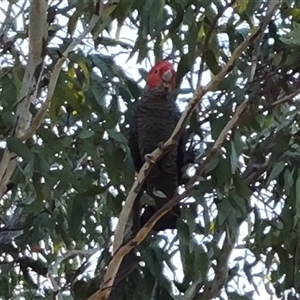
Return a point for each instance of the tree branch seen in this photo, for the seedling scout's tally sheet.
(118, 255)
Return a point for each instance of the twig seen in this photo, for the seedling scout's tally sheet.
(255, 57)
(114, 264)
(283, 100)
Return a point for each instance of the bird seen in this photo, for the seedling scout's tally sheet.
(153, 120)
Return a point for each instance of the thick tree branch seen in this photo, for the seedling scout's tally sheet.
(120, 252)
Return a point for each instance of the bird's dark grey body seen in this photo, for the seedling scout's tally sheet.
(153, 122)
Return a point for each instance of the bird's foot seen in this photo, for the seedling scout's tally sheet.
(149, 158)
(161, 146)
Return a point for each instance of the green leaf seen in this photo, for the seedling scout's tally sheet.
(212, 164)
(221, 172)
(276, 170)
(241, 5)
(67, 141)
(225, 211)
(241, 203)
(211, 61)
(98, 90)
(201, 262)
(297, 202)
(184, 66)
(217, 125)
(152, 263)
(133, 88)
(86, 134)
(242, 187)
(9, 91)
(4, 291)
(155, 14)
(79, 207)
(183, 232)
(140, 46)
(122, 10)
(15, 145)
(288, 179)
(117, 136)
(234, 160)
(125, 94)
(189, 17)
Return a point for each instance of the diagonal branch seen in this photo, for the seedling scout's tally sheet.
(120, 252)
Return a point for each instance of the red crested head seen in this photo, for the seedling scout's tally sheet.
(162, 75)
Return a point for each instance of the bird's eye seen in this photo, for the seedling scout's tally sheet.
(155, 72)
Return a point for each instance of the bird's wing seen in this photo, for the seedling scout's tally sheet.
(133, 143)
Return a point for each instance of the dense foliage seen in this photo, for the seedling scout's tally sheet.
(71, 177)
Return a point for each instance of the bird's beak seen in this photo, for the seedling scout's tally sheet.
(167, 78)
